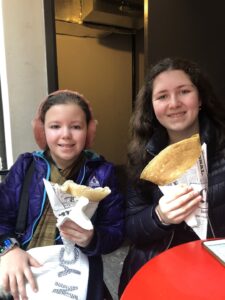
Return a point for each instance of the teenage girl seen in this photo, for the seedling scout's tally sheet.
(64, 129)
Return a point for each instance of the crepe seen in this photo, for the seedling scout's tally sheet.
(173, 161)
(78, 190)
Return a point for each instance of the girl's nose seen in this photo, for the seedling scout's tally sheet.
(174, 101)
(66, 132)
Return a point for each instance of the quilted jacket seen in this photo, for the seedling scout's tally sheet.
(108, 220)
(147, 235)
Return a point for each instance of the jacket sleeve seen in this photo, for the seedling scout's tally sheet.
(109, 217)
(142, 224)
(10, 190)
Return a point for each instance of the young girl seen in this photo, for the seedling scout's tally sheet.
(175, 103)
(64, 128)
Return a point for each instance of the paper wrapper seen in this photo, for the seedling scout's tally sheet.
(197, 177)
(61, 276)
(67, 207)
(65, 269)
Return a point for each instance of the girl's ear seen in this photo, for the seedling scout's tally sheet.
(39, 133)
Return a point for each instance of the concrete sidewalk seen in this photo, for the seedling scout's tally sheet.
(113, 263)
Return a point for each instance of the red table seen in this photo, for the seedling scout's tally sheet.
(184, 272)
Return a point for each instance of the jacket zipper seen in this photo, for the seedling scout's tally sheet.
(170, 241)
(210, 225)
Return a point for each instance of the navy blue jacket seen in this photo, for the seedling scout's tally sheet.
(147, 235)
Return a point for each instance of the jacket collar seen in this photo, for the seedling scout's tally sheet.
(159, 139)
(207, 129)
(208, 134)
(89, 155)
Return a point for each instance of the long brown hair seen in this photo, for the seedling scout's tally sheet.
(143, 121)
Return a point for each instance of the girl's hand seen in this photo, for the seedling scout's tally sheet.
(73, 232)
(16, 271)
(174, 208)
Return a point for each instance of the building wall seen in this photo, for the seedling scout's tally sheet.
(191, 29)
(101, 69)
(23, 71)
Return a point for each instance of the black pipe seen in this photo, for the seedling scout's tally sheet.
(50, 41)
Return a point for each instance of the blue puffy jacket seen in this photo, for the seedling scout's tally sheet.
(108, 220)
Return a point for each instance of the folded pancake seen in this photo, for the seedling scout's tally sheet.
(78, 190)
(173, 161)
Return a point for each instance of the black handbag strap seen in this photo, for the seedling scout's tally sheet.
(24, 201)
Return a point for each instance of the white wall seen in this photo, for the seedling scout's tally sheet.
(23, 70)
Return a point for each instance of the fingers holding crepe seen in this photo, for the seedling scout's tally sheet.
(173, 161)
(175, 208)
(78, 190)
(73, 232)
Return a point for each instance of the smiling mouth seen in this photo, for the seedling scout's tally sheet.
(66, 146)
(176, 115)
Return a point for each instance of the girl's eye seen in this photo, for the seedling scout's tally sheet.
(161, 97)
(185, 91)
(54, 126)
(76, 127)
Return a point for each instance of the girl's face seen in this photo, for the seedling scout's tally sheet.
(176, 104)
(66, 132)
